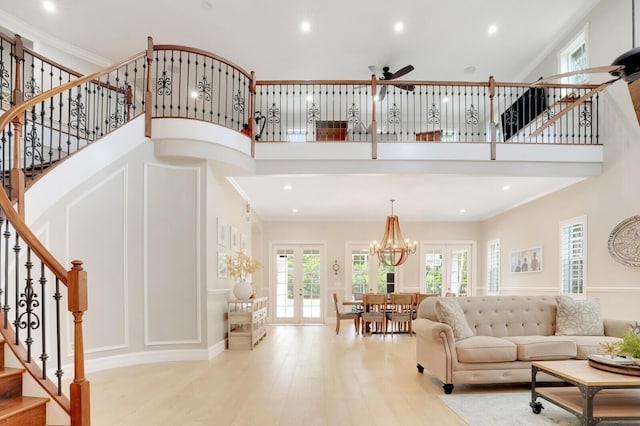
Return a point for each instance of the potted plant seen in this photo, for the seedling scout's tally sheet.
(630, 345)
(239, 267)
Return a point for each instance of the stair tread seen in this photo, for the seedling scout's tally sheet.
(10, 371)
(20, 403)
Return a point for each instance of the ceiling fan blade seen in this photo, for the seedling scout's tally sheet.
(382, 93)
(596, 70)
(407, 87)
(402, 71)
(375, 70)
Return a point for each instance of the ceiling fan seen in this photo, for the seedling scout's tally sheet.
(386, 75)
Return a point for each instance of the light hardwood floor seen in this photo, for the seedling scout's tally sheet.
(298, 375)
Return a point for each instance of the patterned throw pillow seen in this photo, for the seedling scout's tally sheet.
(578, 317)
(450, 312)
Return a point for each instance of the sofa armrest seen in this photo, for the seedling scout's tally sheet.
(435, 348)
(616, 327)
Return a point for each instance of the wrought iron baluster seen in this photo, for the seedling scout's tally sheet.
(28, 320)
(6, 307)
(43, 315)
(16, 317)
(59, 372)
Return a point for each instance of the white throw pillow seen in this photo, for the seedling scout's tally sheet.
(449, 312)
(578, 317)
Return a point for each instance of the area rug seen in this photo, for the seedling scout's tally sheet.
(505, 409)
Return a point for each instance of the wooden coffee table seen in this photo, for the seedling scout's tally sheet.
(594, 395)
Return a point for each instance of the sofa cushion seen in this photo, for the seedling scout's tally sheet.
(588, 345)
(578, 317)
(485, 349)
(449, 312)
(537, 348)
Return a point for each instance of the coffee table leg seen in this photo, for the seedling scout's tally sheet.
(588, 393)
(536, 407)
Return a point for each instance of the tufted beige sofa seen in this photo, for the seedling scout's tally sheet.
(510, 332)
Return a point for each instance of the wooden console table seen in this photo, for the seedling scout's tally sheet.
(595, 395)
(247, 321)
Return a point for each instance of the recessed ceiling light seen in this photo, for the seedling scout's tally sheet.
(194, 94)
(49, 6)
(306, 26)
(294, 210)
(445, 100)
(492, 30)
(287, 187)
(506, 188)
(398, 27)
(309, 98)
(376, 98)
(463, 210)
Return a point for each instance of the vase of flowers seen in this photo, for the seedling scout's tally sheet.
(239, 267)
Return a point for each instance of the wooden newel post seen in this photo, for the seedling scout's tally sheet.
(252, 118)
(374, 124)
(78, 304)
(492, 123)
(17, 175)
(147, 93)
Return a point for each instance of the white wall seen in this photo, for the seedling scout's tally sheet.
(145, 228)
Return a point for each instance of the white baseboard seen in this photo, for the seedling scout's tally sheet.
(126, 360)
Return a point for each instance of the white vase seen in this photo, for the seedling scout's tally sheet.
(242, 290)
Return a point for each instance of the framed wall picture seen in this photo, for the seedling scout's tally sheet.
(222, 265)
(223, 233)
(235, 239)
(529, 260)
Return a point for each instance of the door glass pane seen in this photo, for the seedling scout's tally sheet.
(284, 284)
(433, 271)
(359, 271)
(386, 275)
(311, 284)
(459, 276)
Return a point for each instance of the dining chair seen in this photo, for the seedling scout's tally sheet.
(401, 312)
(374, 311)
(355, 316)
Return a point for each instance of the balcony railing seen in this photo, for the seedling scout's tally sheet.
(413, 111)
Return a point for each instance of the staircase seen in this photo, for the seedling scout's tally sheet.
(15, 409)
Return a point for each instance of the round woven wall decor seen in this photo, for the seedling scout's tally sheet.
(624, 242)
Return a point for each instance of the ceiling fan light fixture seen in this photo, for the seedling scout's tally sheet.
(393, 249)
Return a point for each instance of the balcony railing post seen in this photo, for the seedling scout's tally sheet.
(77, 305)
(374, 123)
(492, 123)
(147, 93)
(252, 107)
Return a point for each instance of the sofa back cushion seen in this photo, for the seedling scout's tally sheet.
(502, 316)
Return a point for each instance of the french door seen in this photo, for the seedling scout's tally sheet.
(447, 268)
(298, 282)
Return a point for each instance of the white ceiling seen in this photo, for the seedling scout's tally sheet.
(440, 39)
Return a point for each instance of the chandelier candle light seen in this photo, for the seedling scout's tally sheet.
(239, 267)
(393, 249)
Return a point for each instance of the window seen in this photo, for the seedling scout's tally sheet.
(573, 256)
(359, 271)
(574, 57)
(493, 267)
